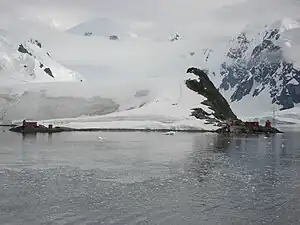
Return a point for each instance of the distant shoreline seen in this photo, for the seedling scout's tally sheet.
(18, 129)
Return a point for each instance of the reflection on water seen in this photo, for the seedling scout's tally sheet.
(149, 178)
(29, 136)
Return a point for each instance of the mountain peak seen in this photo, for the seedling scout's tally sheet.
(30, 62)
(255, 67)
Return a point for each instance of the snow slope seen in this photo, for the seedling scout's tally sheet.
(103, 27)
(28, 62)
(168, 109)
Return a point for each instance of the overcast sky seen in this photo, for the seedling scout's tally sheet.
(68, 12)
(204, 16)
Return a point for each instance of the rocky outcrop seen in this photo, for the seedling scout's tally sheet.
(88, 34)
(23, 50)
(175, 38)
(244, 129)
(30, 62)
(35, 42)
(255, 64)
(49, 72)
(113, 37)
(214, 98)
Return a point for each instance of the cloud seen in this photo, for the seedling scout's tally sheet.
(69, 13)
(190, 17)
(261, 11)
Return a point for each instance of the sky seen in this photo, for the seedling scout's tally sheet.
(67, 13)
(215, 19)
(193, 19)
(196, 20)
(142, 9)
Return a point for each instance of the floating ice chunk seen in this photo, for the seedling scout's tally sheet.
(169, 133)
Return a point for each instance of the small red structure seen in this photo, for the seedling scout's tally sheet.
(252, 124)
(268, 123)
(25, 123)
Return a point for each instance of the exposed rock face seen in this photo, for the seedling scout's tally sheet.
(243, 129)
(49, 72)
(256, 64)
(22, 49)
(30, 62)
(113, 37)
(215, 100)
(175, 38)
(36, 42)
(88, 34)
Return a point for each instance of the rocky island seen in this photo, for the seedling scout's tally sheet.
(223, 114)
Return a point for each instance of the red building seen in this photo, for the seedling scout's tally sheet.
(25, 123)
(268, 123)
(252, 124)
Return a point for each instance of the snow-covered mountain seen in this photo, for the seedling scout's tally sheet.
(123, 30)
(103, 27)
(29, 62)
(254, 68)
(148, 104)
(141, 80)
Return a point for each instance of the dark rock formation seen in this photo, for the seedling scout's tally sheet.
(49, 72)
(39, 129)
(36, 42)
(88, 33)
(215, 100)
(113, 37)
(175, 38)
(243, 129)
(254, 65)
(23, 50)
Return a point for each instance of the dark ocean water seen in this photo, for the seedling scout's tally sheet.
(149, 178)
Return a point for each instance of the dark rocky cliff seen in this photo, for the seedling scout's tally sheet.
(256, 65)
(215, 100)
